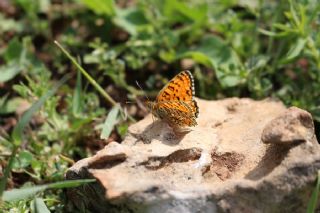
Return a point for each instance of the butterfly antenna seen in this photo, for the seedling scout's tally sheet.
(145, 94)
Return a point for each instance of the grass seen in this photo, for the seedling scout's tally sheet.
(68, 68)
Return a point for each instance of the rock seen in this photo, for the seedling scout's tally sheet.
(231, 162)
(293, 126)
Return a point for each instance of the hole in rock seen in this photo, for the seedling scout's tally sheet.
(104, 163)
(179, 156)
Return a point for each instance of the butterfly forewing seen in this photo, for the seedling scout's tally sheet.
(180, 88)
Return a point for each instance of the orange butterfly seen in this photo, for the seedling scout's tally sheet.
(175, 103)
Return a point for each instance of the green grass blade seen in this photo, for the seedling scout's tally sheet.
(110, 121)
(19, 194)
(89, 78)
(23, 193)
(77, 99)
(70, 183)
(312, 205)
(38, 206)
(17, 132)
(85, 73)
(7, 170)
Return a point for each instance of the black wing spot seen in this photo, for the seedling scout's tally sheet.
(171, 88)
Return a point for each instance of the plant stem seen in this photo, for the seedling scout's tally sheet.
(90, 79)
(85, 73)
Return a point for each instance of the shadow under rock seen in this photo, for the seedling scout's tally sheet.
(160, 130)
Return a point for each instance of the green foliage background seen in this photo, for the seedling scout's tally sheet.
(254, 49)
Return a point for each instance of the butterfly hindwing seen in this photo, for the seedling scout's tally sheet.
(176, 113)
(195, 108)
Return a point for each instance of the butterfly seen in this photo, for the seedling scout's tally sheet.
(175, 103)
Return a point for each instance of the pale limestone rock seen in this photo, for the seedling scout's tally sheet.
(221, 165)
(293, 126)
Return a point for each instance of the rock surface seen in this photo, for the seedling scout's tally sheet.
(293, 126)
(244, 156)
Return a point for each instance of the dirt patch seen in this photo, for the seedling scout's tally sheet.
(223, 165)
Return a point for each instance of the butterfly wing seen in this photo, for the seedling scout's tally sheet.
(176, 113)
(180, 89)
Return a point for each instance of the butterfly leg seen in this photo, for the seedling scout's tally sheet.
(153, 120)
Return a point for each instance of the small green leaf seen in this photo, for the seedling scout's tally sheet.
(8, 24)
(257, 62)
(293, 14)
(23, 160)
(11, 106)
(80, 122)
(38, 206)
(268, 33)
(24, 193)
(122, 129)
(130, 19)
(101, 7)
(198, 57)
(9, 71)
(13, 50)
(294, 51)
(110, 122)
(179, 11)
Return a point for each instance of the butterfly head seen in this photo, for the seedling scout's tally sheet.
(151, 105)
